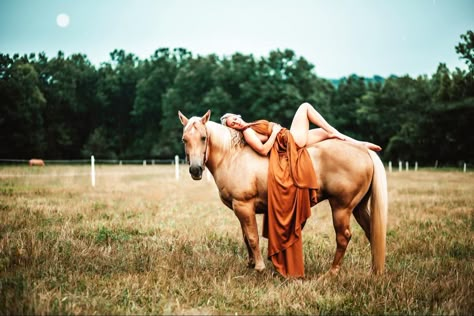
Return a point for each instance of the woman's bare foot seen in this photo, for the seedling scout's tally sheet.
(372, 146)
(338, 135)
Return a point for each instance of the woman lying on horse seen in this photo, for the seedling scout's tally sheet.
(261, 135)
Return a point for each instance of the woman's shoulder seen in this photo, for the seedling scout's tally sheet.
(262, 127)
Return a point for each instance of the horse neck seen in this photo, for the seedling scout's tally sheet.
(219, 145)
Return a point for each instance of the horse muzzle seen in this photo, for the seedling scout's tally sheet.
(196, 172)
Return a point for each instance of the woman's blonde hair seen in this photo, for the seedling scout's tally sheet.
(227, 115)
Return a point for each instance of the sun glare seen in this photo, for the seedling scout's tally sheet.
(62, 20)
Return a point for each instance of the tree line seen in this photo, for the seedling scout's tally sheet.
(64, 107)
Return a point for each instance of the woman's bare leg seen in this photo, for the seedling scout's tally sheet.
(316, 135)
(303, 136)
(300, 125)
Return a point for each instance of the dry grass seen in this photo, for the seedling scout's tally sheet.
(141, 242)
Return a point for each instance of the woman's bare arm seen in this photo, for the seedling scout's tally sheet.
(254, 141)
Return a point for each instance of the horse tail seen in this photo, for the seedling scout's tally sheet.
(378, 214)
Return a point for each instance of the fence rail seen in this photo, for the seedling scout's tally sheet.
(97, 161)
(400, 166)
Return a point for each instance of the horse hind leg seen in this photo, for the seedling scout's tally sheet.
(361, 214)
(374, 230)
(341, 221)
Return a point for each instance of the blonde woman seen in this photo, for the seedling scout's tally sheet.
(261, 134)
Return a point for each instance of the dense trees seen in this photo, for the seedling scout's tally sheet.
(64, 107)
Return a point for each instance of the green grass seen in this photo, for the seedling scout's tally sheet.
(141, 242)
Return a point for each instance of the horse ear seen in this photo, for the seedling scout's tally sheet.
(182, 118)
(206, 117)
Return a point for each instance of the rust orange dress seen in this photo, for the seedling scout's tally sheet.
(292, 191)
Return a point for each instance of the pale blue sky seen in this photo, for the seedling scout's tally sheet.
(340, 37)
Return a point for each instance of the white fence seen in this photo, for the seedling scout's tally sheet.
(415, 166)
(403, 166)
(177, 162)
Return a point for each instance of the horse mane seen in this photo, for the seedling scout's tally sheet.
(226, 138)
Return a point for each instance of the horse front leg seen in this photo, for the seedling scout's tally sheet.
(251, 262)
(244, 210)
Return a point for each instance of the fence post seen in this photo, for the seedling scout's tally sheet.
(416, 165)
(406, 165)
(400, 165)
(390, 166)
(464, 168)
(93, 171)
(176, 166)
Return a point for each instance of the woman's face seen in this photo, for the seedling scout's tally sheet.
(235, 122)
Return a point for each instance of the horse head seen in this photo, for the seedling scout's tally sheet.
(195, 139)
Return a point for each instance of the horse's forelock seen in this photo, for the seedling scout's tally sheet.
(192, 122)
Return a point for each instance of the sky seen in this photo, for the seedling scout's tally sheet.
(339, 37)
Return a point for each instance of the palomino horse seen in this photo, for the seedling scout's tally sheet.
(36, 162)
(349, 177)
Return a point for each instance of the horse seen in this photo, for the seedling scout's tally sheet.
(36, 162)
(351, 177)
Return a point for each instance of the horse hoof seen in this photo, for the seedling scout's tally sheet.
(327, 276)
(260, 267)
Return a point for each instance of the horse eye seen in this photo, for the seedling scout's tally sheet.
(203, 138)
(183, 140)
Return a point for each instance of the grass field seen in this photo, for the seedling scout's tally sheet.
(141, 242)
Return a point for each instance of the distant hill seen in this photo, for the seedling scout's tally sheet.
(374, 79)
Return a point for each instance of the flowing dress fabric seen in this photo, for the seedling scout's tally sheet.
(292, 191)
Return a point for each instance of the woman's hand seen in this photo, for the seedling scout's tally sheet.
(276, 128)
